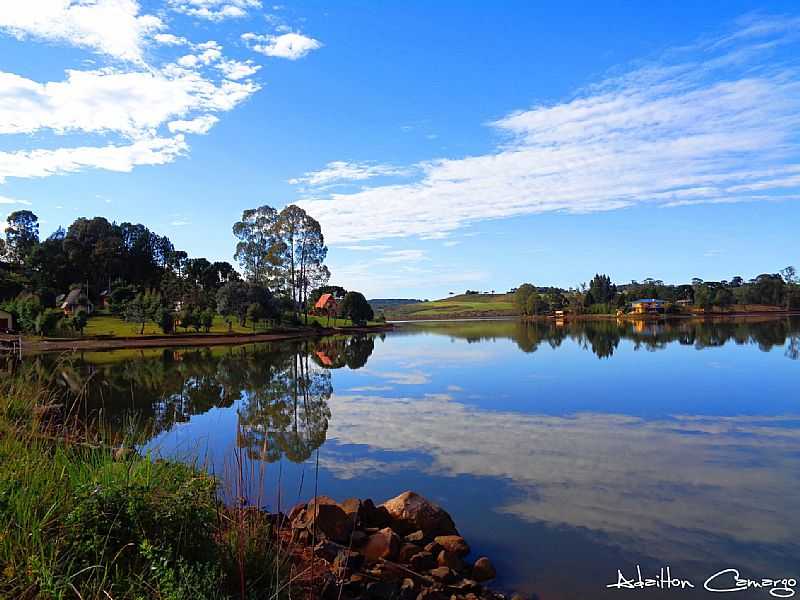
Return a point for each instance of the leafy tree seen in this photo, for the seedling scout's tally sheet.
(47, 321)
(301, 264)
(259, 248)
(789, 275)
(79, 320)
(723, 297)
(143, 308)
(232, 300)
(207, 319)
(22, 234)
(165, 319)
(521, 297)
(356, 308)
(255, 313)
(601, 289)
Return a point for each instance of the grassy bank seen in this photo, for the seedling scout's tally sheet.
(463, 306)
(81, 519)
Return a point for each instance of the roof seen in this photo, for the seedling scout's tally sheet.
(323, 300)
(649, 301)
(73, 297)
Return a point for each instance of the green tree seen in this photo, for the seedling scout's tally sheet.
(356, 308)
(165, 319)
(601, 289)
(259, 247)
(79, 320)
(22, 234)
(207, 319)
(255, 313)
(521, 297)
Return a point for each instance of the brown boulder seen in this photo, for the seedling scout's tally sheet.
(326, 518)
(443, 574)
(406, 552)
(483, 570)
(411, 512)
(385, 544)
(450, 560)
(373, 516)
(422, 561)
(453, 543)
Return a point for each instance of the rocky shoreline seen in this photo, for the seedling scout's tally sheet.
(407, 548)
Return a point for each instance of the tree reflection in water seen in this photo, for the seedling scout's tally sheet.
(280, 391)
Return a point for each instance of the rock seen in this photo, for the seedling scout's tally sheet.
(351, 506)
(381, 590)
(411, 512)
(406, 552)
(450, 560)
(416, 537)
(518, 596)
(347, 561)
(453, 543)
(326, 550)
(358, 538)
(408, 590)
(483, 570)
(374, 516)
(296, 511)
(434, 548)
(325, 517)
(422, 561)
(385, 544)
(469, 586)
(443, 574)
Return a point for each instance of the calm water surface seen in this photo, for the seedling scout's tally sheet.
(564, 453)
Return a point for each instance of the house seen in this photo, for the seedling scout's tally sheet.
(326, 305)
(75, 300)
(6, 322)
(647, 306)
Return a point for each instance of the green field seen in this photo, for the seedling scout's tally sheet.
(462, 306)
(109, 325)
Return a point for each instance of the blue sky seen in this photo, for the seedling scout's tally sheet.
(443, 146)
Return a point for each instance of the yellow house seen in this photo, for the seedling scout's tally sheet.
(647, 306)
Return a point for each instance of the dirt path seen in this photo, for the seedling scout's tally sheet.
(62, 345)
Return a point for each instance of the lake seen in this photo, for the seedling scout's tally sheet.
(564, 452)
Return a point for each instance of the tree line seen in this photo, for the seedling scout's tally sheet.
(140, 276)
(602, 296)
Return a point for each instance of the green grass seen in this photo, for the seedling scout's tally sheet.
(461, 306)
(110, 325)
(80, 521)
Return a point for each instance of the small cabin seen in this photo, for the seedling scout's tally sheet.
(74, 301)
(647, 306)
(326, 305)
(6, 322)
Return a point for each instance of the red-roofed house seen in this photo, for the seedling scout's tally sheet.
(326, 305)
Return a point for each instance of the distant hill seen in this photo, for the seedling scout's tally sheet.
(463, 306)
(384, 303)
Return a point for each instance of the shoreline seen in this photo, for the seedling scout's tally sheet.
(602, 317)
(198, 339)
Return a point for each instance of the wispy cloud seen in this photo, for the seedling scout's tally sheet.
(7, 200)
(214, 10)
(705, 124)
(341, 170)
(291, 46)
(402, 256)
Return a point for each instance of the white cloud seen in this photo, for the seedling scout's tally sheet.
(214, 10)
(197, 125)
(111, 27)
(401, 256)
(7, 200)
(287, 45)
(710, 126)
(340, 170)
(43, 163)
(129, 103)
(564, 468)
(169, 39)
(236, 70)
